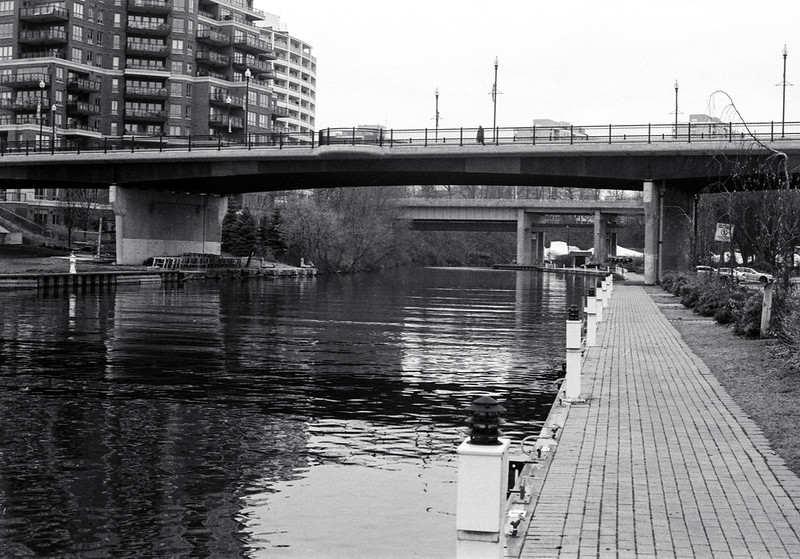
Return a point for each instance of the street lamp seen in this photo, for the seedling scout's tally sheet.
(247, 75)
(53, 124)
(437, 114)
(494, 102)
(783, 83)
(676, 108)
(40, 110)
(228, 103)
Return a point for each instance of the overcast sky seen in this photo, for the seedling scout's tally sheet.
(588, 62)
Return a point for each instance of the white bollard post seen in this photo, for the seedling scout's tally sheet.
(610, 279)
(599, 302)
(482, 485)
(572, 383)
(605, 293)
(591, 318)
(73, 260)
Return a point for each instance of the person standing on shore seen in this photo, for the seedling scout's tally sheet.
(480, 135)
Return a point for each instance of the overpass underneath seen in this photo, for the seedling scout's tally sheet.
(531, 220)
(170, 201)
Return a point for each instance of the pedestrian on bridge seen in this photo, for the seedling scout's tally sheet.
(480, 135)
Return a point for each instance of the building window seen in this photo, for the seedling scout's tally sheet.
(6, 30)
(115, 63)
(77, 10)
(77, 32)
(77, 55)
(176, 67)
(175, 130)
(7, 6)
(116, 42)
(177, 46)
(174, 110)
(117, 20)
(178, 24)
(114, 107)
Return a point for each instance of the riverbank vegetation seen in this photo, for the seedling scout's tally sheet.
(359, 229)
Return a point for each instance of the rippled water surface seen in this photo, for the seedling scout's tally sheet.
(270, 418)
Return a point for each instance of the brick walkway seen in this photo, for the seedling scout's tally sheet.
(661, 462)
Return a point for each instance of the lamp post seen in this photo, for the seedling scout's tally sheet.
(228, 103)
(53, 132)
(247, 75)
(783, 83)
(40, 110)
(436, 136)
(494, 103)
(676, 108)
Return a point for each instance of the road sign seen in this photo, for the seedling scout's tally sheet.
(724, 232)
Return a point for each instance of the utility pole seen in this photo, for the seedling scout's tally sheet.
(494, 102)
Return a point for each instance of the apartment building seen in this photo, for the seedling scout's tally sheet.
(73, 72)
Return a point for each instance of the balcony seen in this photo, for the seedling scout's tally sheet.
(83, 85)
(221, 121)
(24, 105)
(44, 13)
(221, 100)
(24, 80)
(82, 108)
(48, 36)
(144, 92)
(211, 37)
(43, 53)
(146, 49)
(251, 44)
(145, 115)
(280, 112)
(148, 28)
(146, 68)
(213, 58)
(159, 7)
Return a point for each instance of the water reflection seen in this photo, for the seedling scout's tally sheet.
(289, 418)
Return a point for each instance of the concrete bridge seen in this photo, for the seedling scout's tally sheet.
(172, 201)
(528, 218)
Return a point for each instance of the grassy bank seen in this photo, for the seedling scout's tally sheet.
(761, 374)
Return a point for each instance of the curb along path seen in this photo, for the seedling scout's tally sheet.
(660, 462)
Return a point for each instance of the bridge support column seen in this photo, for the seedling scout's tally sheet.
(677, 229)
(668, 231)
(152, 223)
(524, 248)
(651, 207)
(600, 241)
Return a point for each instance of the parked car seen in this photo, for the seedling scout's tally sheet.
(749, 274)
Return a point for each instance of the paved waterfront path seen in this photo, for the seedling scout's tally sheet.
(661, 462)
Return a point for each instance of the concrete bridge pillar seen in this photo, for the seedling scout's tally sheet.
(600, 241)
(524, 241)
(651, 205)
(667, 230)
(152, 223)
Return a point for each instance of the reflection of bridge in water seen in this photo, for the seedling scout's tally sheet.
(530, 219)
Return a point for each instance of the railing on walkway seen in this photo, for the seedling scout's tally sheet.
(533, 135)
(194, 262)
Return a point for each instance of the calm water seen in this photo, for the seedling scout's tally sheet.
(275, 418)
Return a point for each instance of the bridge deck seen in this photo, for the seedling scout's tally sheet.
(661, 462)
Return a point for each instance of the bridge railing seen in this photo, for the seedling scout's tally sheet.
(533, 135)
